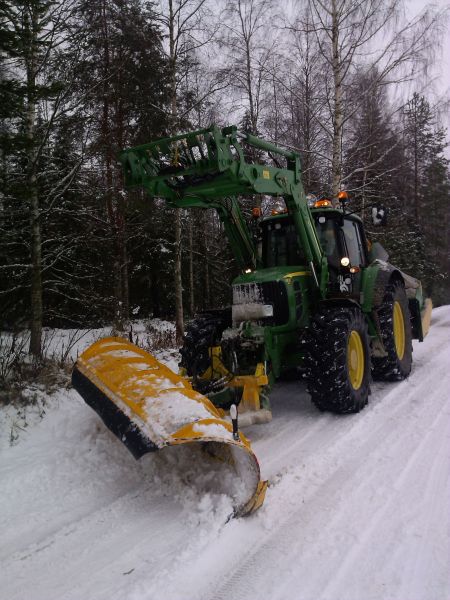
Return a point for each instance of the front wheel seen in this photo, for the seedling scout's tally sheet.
(202, 333)
(337, 360)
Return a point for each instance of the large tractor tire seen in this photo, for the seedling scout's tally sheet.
(203, 332)
(338, 360)
(395, 326)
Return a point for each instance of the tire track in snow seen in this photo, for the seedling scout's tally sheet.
(332, 427)
(424, 561)
(281, 541)
(378, 517)
(106, 540)
(344, 428)
(124, 535)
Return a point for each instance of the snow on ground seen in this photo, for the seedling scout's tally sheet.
(68, 344)
(357, 506)
(63, 346)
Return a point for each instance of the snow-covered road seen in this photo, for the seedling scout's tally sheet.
(357, 508)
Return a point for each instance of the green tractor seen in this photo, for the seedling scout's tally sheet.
(312, 294)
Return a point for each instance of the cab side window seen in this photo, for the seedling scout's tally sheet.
(354, 243)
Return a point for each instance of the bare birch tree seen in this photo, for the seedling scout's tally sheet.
(298, 82)
(184, 24)
(248, 50)
(351, 33)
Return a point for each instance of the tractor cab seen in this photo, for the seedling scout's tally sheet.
(341, 238)
(343, 241)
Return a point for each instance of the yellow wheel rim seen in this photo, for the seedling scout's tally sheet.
(355, 360)
(399, 330)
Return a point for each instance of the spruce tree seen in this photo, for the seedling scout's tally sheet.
(123, 77)
(31, 33)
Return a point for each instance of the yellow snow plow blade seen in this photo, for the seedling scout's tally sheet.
(149, 407)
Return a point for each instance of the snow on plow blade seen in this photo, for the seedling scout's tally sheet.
(149, 407)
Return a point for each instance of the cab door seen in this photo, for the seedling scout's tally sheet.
(353, 241)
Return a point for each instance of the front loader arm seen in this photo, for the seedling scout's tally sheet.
(208, 169)
(238, 233)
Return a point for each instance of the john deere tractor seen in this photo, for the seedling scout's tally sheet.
(312, 294)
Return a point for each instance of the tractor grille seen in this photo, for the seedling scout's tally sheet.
(268, 292)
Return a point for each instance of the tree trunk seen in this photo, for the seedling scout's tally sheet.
(112, 108)
(207, 298)
(416, 163)
(178, 284)
(275, 109)
(179, 321)
(253, 117)
(307, 124)
(122, 225)
(36, 270)
(191, 266)
(121, 268)
(338, 116)
(207, 291)
(363, 195)
(35, 224)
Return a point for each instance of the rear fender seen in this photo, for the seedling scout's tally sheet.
(379, 275)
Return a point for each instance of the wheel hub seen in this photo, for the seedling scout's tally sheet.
(355, 360)
(399, 330)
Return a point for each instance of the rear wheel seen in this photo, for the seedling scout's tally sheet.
(395, 326)
(337, 360)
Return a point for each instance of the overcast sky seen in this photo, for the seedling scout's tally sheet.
(442, 66)
(441, 70)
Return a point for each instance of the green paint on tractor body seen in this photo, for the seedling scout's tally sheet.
(297, 267)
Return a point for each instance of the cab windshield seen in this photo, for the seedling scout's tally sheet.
(280, 246)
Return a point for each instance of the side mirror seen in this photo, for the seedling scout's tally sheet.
(379, 215)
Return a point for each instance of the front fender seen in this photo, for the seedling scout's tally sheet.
(374, 281)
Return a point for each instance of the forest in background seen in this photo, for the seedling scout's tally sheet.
(343, 82)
